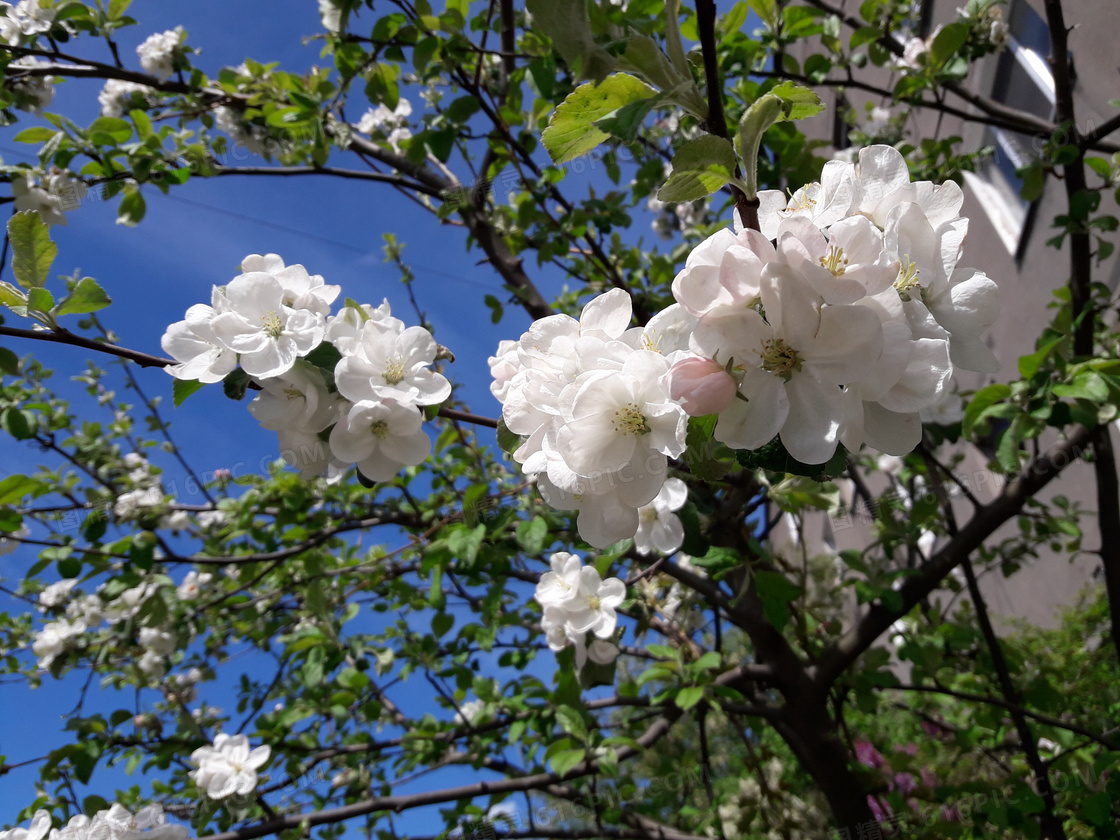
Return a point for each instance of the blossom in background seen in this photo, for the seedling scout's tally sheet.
(192, 585)
(39, 828)
(10, 542)
(392, 124)
(48, 194)
(157, 53)
(32, 93)
(659, 527)
(26, 17)
(228, 766)
(577, 601)
(118, 98)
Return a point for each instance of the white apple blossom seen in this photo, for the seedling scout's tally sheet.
(193, 584)
(381, 438)
(157, 53)
(392, 124)
(10, 542)
(40, 827)
(27, 17)
(659, 527)
(193, 344)
(301, 290)
(267, 334)
(118, 98)
(575, 602)
(384, 365)
(49, 194)
(297, 400)
(54, 639)
(57, 593)
(32, 93)
(228, 766)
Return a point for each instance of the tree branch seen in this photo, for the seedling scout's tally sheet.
(877, 620)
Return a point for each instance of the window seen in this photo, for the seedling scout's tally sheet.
(1022, 80)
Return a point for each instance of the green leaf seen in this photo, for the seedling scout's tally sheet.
(37, 134)
(183, 388)
(143, 123)
(776, 592)
(571, 722)
(571, 131)
(236, 384)
(11, 296)
(1086, 386)
(565, 760)
(767, 10)
(15, 423)
(947, 42)
(688, 697)
(441, 623)
(531, 534)
(773, 456)
(700, 167)
(15, 487)
(981, 402)
(120, 131)
(800, 101)
(9, 362)
(32, 249)
(40, 300)
(85, 297)
(132, 208)
(567, 24)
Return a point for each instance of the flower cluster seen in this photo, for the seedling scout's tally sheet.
(228, 766)
(118, 98)
(576, 601)
(157, 53)
(392, 125)
(268, 320)
(49, 194)
(114, 823)
(31, 93)
(25, 18)
(838, 322)
(591, 398)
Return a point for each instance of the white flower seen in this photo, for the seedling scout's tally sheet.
(40, 827)
(192, 585)
(54, 638)
(57, 593)
(131, 504)
(470, 712)
(723, 270)
(211, 519)
(177, 520)
(228, 766)
(382, 364)
(791, 366)
(331, 15)
(258, 325)
(593, 608)
(560, 586)
(242, 133)
(392, 124)
(879, 121)
(623, 422)
(503, 367)
(381, 438)
(192, 343)
(27, 17)
(157, 53)
(32, 93)
(48, 195)
(10, 542)
(118, 97)
(659, 527)
(301, 290)
(297, 400)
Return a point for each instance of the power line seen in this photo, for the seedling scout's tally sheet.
(427, 269)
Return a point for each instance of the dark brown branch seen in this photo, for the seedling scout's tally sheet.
(717, 122)
(1049, 819)
(62, 336)
(1108, 518)
(877, 620)
(355, 174)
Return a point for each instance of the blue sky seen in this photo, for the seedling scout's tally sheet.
(196, 238)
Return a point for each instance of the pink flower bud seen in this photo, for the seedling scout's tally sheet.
(703, 384)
